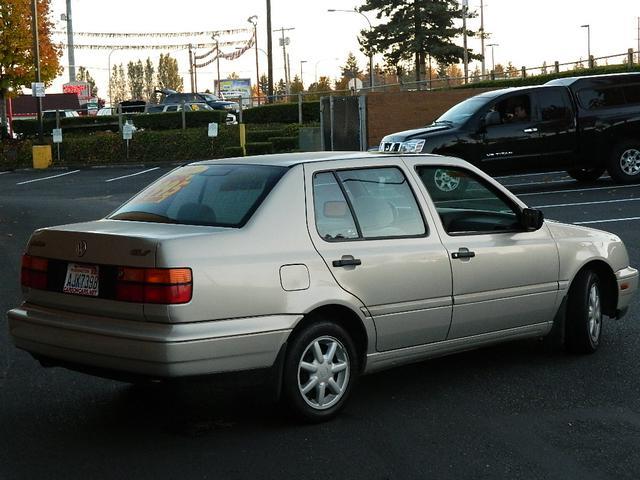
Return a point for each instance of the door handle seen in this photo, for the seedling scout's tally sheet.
(530, 130)
(346, 261)
(463, 253)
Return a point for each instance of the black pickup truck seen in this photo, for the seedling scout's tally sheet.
(584, 125)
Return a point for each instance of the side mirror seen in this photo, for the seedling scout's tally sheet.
(492, 118)
(531, 219)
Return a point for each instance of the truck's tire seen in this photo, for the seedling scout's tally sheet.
(624, 163)
(586, 174)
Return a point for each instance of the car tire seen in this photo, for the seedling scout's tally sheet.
(584, 314)
(320, 369)
(586, 174)
(624, 163)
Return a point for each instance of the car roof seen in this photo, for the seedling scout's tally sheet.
(291, 159)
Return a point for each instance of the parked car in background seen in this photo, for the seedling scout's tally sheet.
(173, 97)
(585, 125)
(62, 113)
(373, 268)
(188, 106)
(106, 111)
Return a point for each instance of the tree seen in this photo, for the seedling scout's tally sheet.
(118, 83)
(263, 83)
(83, 75)
(16, 48)
(149, 81)
(135, 75)
(350, 70)
(499, 71)
(233, 76)
(296, 85)
(511, 71)
(415, 30)
(475, 75)
(168, 74)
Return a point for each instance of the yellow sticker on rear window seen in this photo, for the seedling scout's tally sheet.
(170, 185)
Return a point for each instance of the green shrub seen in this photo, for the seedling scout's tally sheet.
(15, 154)
(284, 144)
(282, 113)
(263, 135)
(173, 120)
(259, 148)
(233, 152)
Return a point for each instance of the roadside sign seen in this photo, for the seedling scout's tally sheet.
(127, 131)
(213, 130)
(37, 89)
(57, 135)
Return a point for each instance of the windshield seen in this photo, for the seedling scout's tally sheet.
(210, 97)
(212, 195)
(462, 111)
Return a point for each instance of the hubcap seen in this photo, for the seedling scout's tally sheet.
(323, 372)
(595, 314)
(445, 182)
(630, 161)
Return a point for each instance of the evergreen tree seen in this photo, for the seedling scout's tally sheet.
(264, 84)
(135, 75)
(149, 81)
(349, 71)
(416, 29)
(118, 82)
(83, 75)
(296, 85)
(168, 73)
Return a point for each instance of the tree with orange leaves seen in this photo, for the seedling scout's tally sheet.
(17, 68)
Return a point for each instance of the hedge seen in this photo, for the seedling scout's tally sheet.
(233, 152)
(284, 144)
(153, 121)
(263, 135)
(259, 148)
(540, 79)
(282, 113)
(146, 146)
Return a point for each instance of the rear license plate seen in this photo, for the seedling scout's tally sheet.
(81, 280)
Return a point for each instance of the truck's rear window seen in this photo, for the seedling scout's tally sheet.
(213, 195)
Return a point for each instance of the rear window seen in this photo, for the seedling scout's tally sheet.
(213, 195)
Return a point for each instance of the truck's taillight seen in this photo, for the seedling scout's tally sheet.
(34, 272)
(154, 285)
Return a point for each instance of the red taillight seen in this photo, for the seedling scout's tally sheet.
(34, 272)
(154, 285)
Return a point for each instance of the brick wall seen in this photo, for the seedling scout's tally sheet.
(396, 111)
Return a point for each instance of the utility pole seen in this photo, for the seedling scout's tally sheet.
(253, 20)
(465, 6)
(215, 39)
(639, 40)
(484, 68)
(283, 43)
(269, 54)
(72, 60)
(36, 57)
(191, 67)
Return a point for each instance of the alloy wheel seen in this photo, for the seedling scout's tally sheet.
(630, 161)
(594, 314)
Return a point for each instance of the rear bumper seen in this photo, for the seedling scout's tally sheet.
(627, 280)
(150, 349)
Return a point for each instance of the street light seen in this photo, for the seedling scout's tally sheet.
(493, 63)
(301, 63)
(109, 69)
(588, 27)
(370, 30)
(253, 20)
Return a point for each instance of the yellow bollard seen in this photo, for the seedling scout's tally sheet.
(41, 156)
(243, 138)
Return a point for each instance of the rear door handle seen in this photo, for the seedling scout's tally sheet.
(530, 130)
(346, 261)
(463, 253)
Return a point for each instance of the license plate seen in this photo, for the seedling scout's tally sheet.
(81, 280)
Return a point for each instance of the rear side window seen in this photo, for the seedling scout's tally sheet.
(601, 97)
(632, 93)
(213, 195)
(365, 203)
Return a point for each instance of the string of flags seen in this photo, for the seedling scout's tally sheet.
(209, 34)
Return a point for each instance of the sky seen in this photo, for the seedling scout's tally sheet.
(527, 33)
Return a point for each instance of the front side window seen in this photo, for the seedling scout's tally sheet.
(366, 203)
(514, 109)
(553, 105)
(467, 204)
(212, 195)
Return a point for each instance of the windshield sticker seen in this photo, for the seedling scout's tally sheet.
(170, 186)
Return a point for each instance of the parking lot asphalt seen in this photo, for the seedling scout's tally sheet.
(511, 411)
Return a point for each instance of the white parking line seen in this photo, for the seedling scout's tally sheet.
(47, 178)
(613, 187)
(607, 221)
(530, 174)
(132, 175)
(568, 179)
(587, 203)
(7, 171)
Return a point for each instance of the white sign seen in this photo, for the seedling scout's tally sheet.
(213, 130)
(37, 89)
(127, 131)
(57, 135)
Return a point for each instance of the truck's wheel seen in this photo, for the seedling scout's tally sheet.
(321, 366)
(584, 314)
(624, 164)
(586, 174)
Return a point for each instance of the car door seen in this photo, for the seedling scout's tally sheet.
(556, 128)
(511, 145)
(366, 223)
(503, 276)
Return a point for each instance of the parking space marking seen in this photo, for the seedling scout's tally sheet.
(47, 178)
(132, 175)
(537, 183)
(612, 187)
(607, 221)
(530, 174)
(7, 171)
(588, 203)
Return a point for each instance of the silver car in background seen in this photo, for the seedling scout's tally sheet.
(313, 268)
